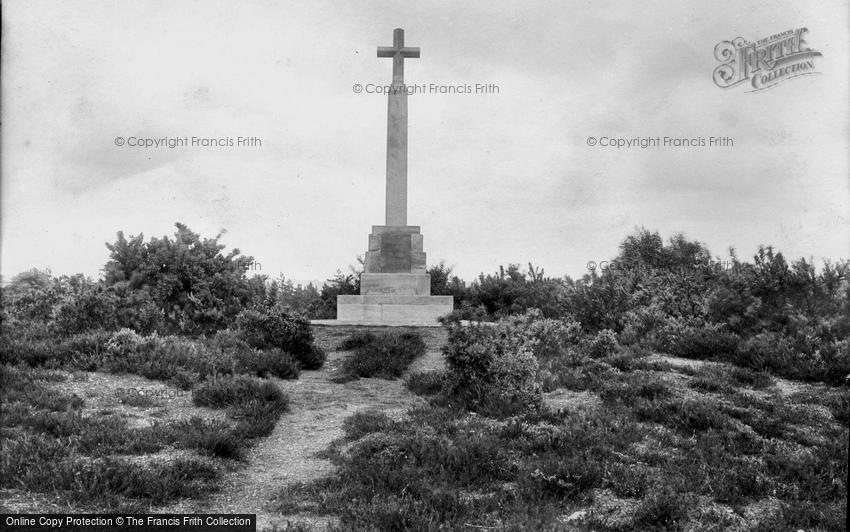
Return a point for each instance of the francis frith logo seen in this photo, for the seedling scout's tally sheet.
(764, 63)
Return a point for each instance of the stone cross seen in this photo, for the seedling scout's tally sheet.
(395, 287)
(396, 213)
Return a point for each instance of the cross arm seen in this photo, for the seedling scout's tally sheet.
(391, 51)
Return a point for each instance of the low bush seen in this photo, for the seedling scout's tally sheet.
(223, 392)
(747, 377)
(256, 405)
(49, 446)
(837, 401)
(257, 418)
(707, 341)
(427, 382)
(384, 355)
(215, 438)
(653, 456)
(265, 328)
(601, 345)
(365, 422)
(492, 369)
(629, 389)
(687, 415)
(777, 353)
(41, 464)
(357, 339)
(312, 359)
(268, 362)
(27, 342)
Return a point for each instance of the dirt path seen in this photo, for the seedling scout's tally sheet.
(317, 410)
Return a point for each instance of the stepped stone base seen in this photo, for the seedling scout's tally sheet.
(392, 309)
(398, 284)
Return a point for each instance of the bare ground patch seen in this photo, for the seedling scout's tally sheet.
(140, 401)
(318, 408)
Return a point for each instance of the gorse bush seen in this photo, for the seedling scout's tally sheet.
(183, 284)
(199, 289)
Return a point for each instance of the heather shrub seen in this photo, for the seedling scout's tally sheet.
(825, 352)
(31, 295)
(88, 308)
(774, 352)
(641, 323)
(427, 382)
(312, 359)
(228, 340)
(255, 404)
(124, 343)
(215, 438)
(175, 359)
(265, 328)
(356, 339)
(548, 338)
(466, 311)
(385, 355)
(601, 345)
(230, 346)
(365, 422)
(492, 369)
(26, 342)
(510, 291)
(222, 392)
(270, 327)
(704, 341)
(635, 387)
(85, 349)
(268, 362)
(86, 305)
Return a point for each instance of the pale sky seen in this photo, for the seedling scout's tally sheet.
(493, 178)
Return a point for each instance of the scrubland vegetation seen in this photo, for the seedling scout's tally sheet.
(176, 311)
(661, 393)
(575, 410)
(637, 443)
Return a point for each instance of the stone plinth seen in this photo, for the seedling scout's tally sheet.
(398, 284)
(395, 249)
(376, 309)
(394, 289)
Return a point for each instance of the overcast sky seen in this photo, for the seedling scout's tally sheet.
(493, 178)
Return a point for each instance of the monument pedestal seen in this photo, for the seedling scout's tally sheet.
(378, 309)
(394, 289)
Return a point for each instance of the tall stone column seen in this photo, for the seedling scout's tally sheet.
(396, 201)
(397, 155)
